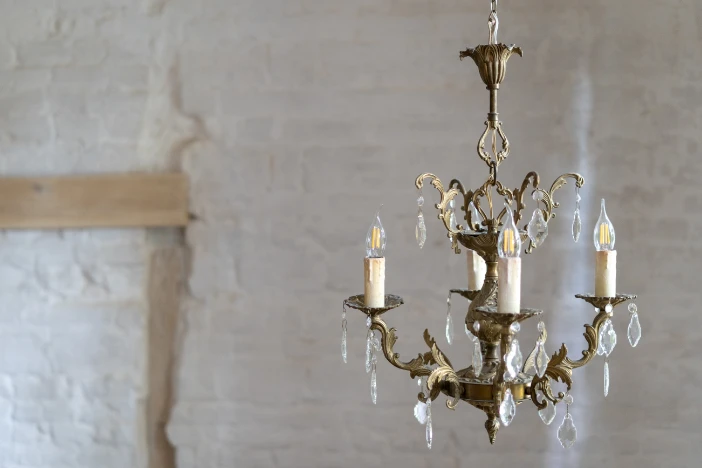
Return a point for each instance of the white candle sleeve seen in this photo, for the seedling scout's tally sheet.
(374, 282)
(509, 282)
(606, 273)
(476, 270)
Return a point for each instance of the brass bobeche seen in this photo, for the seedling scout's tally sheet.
(495, 332)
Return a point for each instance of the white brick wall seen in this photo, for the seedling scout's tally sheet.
(295, 119)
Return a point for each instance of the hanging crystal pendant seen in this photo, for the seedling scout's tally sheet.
(449, 321)
(577, 223)
(508, 408)
(477, 360)
(452, 213)
(429, 429)
(541, 360)
(370, 351)
(420, 412)
(567, 433)
(420, 231)
(606, 377)
(547, 414)
(513, 360)
(343, 336)
(537, 228)
(608, 338)
(474, 216)
(634, 330)
(374, 385)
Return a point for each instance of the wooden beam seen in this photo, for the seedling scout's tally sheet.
(111, 200)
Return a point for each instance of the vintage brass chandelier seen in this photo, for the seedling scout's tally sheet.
(498, 379)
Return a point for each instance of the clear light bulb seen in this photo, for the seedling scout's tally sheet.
(375, 239)
(509, 243)
(604, 231)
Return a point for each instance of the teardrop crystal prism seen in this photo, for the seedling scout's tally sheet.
(567, 433)
(634, 331)
(420, 231)
(374, 385)
(537, 228)
(477, 360)
(369, 351)
(606, 378)
(604, 235)
(608, 338)
(429, 429)
(541, 361)
(509, 242)
(514, 361)
(548, 414)
(452, 213)
(420, 412)
(577, 225)
(449, 328)
(508, 408)
(474, 216)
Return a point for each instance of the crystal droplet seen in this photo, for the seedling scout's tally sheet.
(508, 408)
(449, 328)
(420, 232)
(374, 385)
(474, 215)
(514, 360)
(568, 399)
(429, 430)
(606, 378)
(577, 225)
(420, 382)
(537, 228)
(515, 327)
(420, 412)
(608, 338)
(530, 367)
(369, 351)
(634, 331)
(420, 198)
(477, 360)
(537, 196)
(633, 308)
(609, 308)
(548, 414)
(369, 322)
(541, 361)
(567, 433)
(476, 326)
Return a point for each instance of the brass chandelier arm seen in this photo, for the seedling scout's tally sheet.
(560, 367)
(443, 206)
(419, 366)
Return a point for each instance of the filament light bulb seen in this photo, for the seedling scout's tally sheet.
(509, 243)
(604, 231)
(375, 239)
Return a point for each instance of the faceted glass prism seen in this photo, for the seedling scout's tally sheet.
(633, 308)
(420, 412)
(547, 414)
(474, 215)
(429, 428)
(344, 351)
(508, 408)
(374, 385)
(577, 225)
(514, 360)
(477, 360)
(537, 228)
(567, 433)
(608, 338)
(634, 330)
(452, 213)
(606, 378)
(541, 361)
(420, 231)
(369, 351)
(449, 328)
